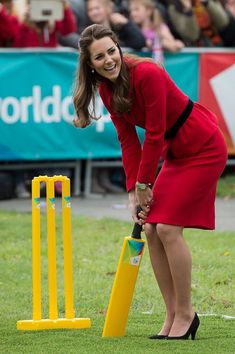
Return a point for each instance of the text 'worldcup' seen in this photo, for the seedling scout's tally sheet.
(35, 108)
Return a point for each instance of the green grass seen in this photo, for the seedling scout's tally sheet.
(226, 186)
(96, 248)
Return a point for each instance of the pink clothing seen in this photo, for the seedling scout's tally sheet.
(155, 39)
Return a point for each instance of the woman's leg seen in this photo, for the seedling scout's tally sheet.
(179, 260)
(162, 273)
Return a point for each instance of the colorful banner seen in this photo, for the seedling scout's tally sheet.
(184, 70)
(217, 91)
(36, 109)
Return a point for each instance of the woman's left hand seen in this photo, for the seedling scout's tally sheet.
(144, 199)
(142, 215)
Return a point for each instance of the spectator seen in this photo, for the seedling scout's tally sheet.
(121, 6)
(183, 21)
(101, 12)
(41, 34)
(199, 22)
(230, 7)
(8, 24)
(79, 10)
(8, 5)
(228, 32)
(157, 33)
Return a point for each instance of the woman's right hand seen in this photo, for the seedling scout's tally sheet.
(80, 121)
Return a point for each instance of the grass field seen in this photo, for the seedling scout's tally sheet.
(226, 186)
(96, 248)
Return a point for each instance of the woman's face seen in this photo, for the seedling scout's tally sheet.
(97, 12)
(105, 58)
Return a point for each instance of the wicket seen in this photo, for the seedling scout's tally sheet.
(37, 323)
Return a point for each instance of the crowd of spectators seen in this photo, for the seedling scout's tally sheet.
(158, 25)
(153, 25)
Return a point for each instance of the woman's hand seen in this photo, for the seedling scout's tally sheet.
(80, 121)
(142, 215)
(144, 199)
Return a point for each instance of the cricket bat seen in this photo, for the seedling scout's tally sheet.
(124, 284)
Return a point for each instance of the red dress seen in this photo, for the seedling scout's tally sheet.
(184, 190)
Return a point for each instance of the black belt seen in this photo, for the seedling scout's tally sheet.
(180, 121)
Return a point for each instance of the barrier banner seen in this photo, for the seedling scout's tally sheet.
(36, 110)
(217, 88)
(184, 70)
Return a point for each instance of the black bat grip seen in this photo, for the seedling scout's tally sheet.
(136, 232)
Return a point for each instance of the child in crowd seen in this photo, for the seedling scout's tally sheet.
(102, 12)
(158, 35)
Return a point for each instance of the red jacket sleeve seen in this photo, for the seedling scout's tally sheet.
(129, 141)
(131, 149)
(152, 85)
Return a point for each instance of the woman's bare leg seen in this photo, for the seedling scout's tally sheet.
(162, 273)
(180, 264)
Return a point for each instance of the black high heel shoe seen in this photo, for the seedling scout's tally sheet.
(191, 331)
(158, 336)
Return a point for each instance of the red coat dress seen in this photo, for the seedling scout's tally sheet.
(184, 190)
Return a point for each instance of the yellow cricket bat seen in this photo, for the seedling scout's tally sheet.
(124, 284)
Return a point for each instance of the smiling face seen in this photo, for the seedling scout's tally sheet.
(105, 58)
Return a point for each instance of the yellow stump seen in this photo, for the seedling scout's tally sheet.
(37, 323)
(36, 250)
(67, 241)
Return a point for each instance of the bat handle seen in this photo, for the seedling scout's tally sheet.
(136, 232)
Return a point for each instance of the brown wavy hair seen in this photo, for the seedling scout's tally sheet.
(87, 80)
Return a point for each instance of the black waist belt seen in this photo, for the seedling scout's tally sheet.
(180, 121)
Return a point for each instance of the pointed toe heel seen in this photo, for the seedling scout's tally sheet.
(191, 331)
(158, 336)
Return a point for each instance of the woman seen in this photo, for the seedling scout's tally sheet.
(139, 92)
